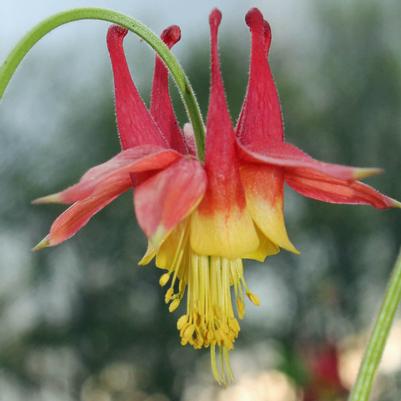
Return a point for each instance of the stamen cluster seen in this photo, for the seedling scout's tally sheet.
(210, 284)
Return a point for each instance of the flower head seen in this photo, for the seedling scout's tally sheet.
(202, 218)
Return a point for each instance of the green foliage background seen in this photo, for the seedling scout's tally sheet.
(77, 316)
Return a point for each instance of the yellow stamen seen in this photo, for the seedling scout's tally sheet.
(212, 284)
(240, 308)
(181, 322)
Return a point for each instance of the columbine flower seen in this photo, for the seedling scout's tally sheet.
(203, 218)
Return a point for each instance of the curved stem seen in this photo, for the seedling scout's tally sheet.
(184, 87)
(374, 350)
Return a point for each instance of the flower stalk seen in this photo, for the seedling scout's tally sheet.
(13, 60)
(378, 339)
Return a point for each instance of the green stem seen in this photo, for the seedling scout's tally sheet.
(374, 351)
(184, 87)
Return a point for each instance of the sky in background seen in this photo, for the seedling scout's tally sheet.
(76, 54)
(22, 15)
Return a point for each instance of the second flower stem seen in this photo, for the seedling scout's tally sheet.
(374, 350)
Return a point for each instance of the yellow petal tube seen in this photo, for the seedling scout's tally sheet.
(266, 248)
(171, 252)
(228, 233)
(149, 255)
(264, 199)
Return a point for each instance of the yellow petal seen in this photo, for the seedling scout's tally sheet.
(266, 248)
(264, 198)
(174, 244)
(270, 220)
(149, 255)
(159, 236)
(229, 234)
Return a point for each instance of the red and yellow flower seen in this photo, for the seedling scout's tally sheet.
(202, 218)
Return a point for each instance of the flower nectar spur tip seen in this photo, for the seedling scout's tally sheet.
(171, 35)
(42, 244)
(254, 16)
(215, 17)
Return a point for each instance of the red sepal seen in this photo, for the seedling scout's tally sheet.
(332, 190)
(138, 159)
(108, 187)
(292, 158)
(164, 200)
(78, 215)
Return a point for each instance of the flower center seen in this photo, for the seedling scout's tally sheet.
(210, 284)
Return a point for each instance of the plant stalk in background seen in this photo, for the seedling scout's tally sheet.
(374, 350)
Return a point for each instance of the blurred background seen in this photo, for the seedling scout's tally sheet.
(83, 322)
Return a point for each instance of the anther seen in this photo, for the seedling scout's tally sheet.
(182, 321)
(174, 305)
(164, 279)
(188, 333)
(169, 295)
(253, 298)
